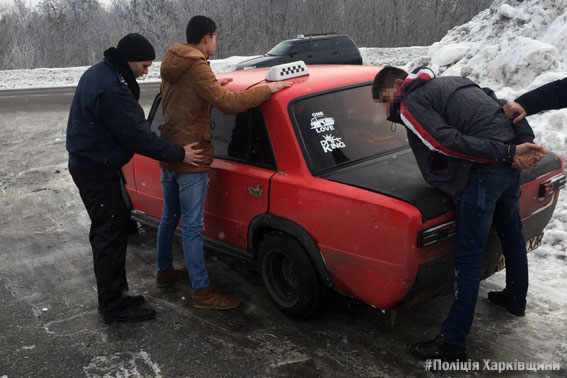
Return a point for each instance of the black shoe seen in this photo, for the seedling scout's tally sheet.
(135, 300)
(129, 313)
(502, 298)
(439, 349)
(132, 227)
(128, 300)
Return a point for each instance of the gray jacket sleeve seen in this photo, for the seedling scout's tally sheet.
(433, 130)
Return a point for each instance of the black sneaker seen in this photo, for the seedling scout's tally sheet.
(439, 349)
(132, 227)
(135, 300)
(129, 313)
(128, 300)
(502, 298)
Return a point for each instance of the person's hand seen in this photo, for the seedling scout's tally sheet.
(192, 156)
(514, 111)
(277, 86)
(528, 155)
(224, 80)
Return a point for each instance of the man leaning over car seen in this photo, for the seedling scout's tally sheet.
(190, 89)
(466, 147)
(106, 127)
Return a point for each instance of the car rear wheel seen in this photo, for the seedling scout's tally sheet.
(289, 276)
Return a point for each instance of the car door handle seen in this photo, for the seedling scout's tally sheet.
(334, 53)
(309, 56)
(255, 191)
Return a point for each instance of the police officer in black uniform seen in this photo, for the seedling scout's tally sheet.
(106, 127)
(547, 97)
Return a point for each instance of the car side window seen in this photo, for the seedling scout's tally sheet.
(242, 137)
(156, 115)
(302, 47)
(343, 43)
(322, 44)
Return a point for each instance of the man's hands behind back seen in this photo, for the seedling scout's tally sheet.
(528, 155)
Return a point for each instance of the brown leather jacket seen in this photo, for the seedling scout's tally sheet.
(190, 89)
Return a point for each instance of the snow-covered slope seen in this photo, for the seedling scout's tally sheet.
(513, 47)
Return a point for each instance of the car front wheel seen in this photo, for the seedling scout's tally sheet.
(289, 276)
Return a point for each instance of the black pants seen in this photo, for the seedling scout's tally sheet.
(101, 192)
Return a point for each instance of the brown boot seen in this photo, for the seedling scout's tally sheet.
(169, 276)
(210, 299)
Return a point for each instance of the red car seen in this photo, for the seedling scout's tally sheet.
(322, 192)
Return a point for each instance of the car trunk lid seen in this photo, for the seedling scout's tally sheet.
(397, 175)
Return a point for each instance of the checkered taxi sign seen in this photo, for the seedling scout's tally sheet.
(287, 71)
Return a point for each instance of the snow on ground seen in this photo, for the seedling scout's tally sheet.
(391, 56)
(69, 77)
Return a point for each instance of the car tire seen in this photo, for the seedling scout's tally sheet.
(289, 276)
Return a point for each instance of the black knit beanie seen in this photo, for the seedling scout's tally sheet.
(136, 48)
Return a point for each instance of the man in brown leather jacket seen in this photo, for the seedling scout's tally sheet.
(190, 89)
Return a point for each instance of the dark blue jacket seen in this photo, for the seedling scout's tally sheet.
(453, 123)
(107, 125)
(546, 97)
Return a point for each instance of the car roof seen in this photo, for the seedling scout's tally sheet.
(320, 78)
(316, 36)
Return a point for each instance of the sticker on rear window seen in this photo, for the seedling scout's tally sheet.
(330, 143)
(322, 124)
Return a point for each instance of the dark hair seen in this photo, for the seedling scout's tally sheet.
(386, 79)
(198, 27)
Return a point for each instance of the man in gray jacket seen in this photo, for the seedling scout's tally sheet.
(466, 147)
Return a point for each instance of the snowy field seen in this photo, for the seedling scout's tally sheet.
(69, 77)
(511, 47)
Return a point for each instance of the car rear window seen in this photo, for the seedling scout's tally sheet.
(344, 43)
(343, 127)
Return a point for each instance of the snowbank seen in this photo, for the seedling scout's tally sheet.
(69, 77)
(513, 47)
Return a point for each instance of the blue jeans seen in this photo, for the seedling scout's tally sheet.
(184, 197)
(492, 194)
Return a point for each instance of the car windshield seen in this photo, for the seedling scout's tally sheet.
(282, 48)
(343, 127)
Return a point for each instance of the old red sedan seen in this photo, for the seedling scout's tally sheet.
(320, 190)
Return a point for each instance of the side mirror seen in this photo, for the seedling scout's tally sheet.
(292, 53)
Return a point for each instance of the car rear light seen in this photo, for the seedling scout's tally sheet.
(436, 234)
(554, 184)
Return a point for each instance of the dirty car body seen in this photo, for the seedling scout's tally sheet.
(321, 191)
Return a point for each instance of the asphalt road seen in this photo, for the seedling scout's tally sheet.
(49, 99)
(49, 321)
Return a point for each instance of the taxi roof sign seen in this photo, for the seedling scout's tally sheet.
(287, 71)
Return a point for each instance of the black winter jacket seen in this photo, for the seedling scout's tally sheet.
(546, 97)
(453, 123)
(107, 125)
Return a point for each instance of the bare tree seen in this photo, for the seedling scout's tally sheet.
(59, 33)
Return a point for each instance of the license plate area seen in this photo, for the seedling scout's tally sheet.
(531, 244)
